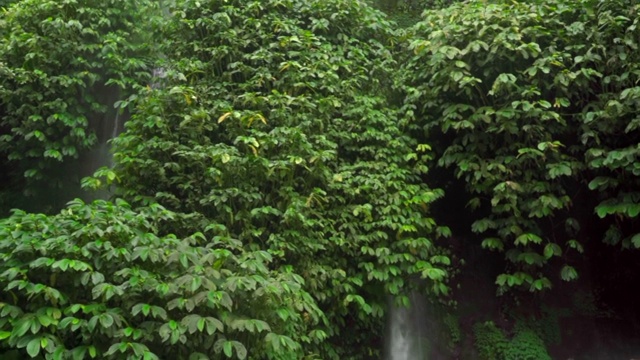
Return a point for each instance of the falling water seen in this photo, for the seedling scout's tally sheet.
(101, 155)
(116, 126)
(407, 330)
(106, 128)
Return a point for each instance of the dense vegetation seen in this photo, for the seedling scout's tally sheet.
(62, 68)
(289, 166)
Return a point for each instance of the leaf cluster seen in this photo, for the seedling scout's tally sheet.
(407, 12)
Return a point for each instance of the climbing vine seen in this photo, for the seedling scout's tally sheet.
(537, 115)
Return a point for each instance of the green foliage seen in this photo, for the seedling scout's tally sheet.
(407, 12)
(102, 280)
(528, 102)
(454, 332)
(492, 343)
(273, 122)
(489, 341)
(526, 345)
(295, 182)
(4, 3)
(62, 66)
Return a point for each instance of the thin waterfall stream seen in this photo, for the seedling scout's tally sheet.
(106, 128)
(407, 334)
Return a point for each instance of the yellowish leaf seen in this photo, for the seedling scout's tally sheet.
(223, 117)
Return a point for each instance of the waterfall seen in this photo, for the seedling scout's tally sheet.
(407, 337)
(107, 128)
(116, 126)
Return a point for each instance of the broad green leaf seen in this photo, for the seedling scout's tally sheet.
(33, 347)
(635, 240)
(551, 250)
(228, 348)
(527, 238)
(493, 244)
(568, 273)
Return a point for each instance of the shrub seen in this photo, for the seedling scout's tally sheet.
(101, 280)
(492, 343)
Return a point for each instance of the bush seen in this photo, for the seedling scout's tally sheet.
(492, 343)
(102, 280)
(489, 341)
